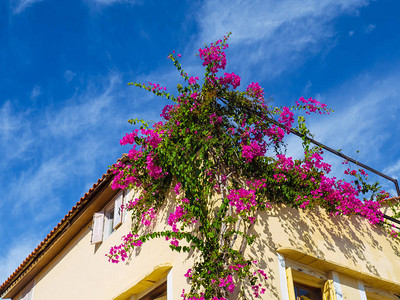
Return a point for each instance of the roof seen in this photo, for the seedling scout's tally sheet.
(47, 242)
(393, 199)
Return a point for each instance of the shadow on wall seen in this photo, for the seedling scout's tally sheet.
(315, 232)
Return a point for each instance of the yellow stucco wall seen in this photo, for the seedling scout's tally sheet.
(81, 270)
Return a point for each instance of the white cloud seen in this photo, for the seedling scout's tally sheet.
(307, 87)
(15, 255)
(111, 2)
(36, 92)
(60, 146)
(363, 121)
(83, 111)
(393, 170)
(370, 28)
(15, 133)
(278, 33)
(19, 6)
(69, 75)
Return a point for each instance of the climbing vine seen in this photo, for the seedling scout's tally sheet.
(219, 155)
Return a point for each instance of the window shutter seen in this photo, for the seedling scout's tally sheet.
(97, 230)
(117, 210)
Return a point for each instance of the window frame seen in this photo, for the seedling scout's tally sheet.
(109, 218)
(316, 291)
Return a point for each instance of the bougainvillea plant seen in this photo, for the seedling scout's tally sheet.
(218, 157)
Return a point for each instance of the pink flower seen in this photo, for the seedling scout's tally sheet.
(249, 152)
(230, 78)
(214, 57)
(255, 90)
(192, 80)
(188, 273)
(177, 187)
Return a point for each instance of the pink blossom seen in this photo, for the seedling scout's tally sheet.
(148, 216)
(249, 152)
(129, 138)
(213, 57)
(192, 80)
(177, 187)
(255, 90)
(230, 78)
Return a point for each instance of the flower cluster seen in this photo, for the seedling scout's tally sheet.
(249, 152)
(256, 91)
(156, 86)
(230, 79)
(313, 105)
(214, 57)
(193, 80)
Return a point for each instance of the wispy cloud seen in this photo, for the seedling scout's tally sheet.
(69, 75)
(15, 133)
(111, 2)
(56, 150)
(36, 92)
(18, 6)
(370, 28)
(280, 33)
(10, 260)
(367, 117)
(365, 120)
(393, 170)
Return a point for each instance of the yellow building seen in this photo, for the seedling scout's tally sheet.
(302, 252)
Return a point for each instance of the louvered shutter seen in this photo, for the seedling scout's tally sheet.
(117, 210)
(97, 230)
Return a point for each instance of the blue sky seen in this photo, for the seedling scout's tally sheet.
(64, 102)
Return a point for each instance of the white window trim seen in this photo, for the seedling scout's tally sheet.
(282, 277)
(336, 284)
(361, 288)
(170, 294)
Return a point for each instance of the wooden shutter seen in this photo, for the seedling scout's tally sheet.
(97, 230)
(117, 210)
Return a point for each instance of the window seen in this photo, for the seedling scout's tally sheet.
(109, 220)
(300, 282)
(106, 221)
(303, 292)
